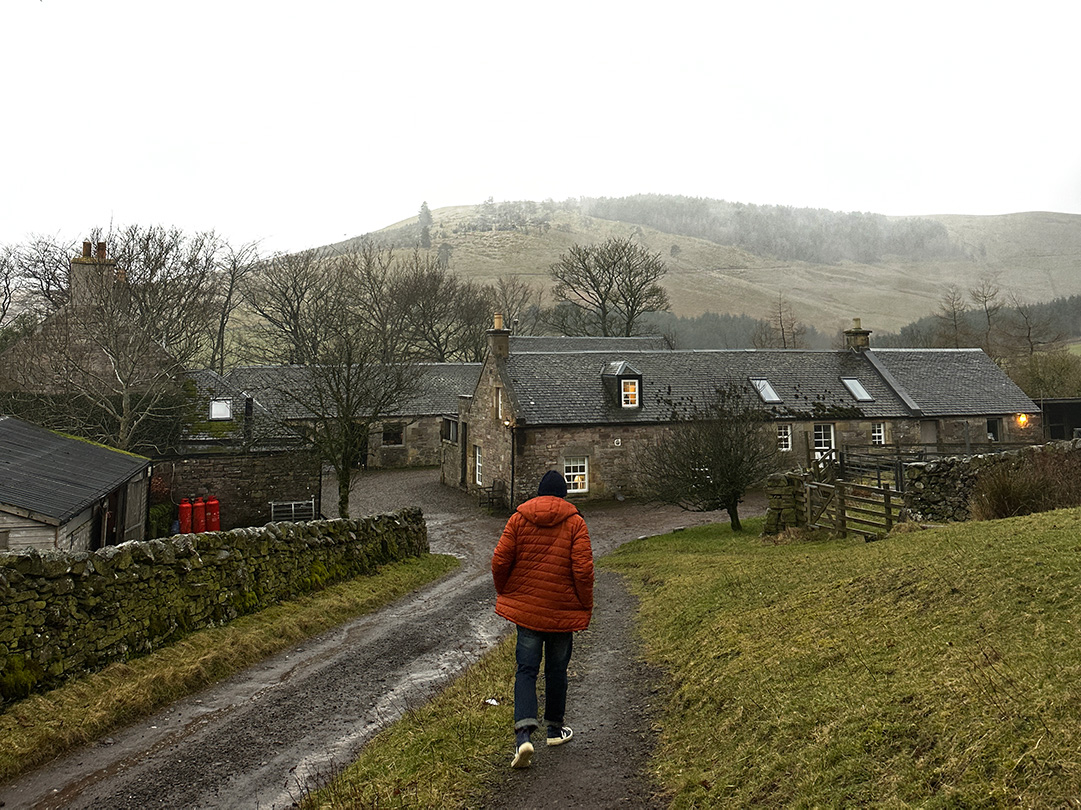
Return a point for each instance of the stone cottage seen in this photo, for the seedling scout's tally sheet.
(584, 406)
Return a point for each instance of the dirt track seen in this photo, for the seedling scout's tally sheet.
(260, 739)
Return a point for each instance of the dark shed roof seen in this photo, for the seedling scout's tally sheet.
(55, 477)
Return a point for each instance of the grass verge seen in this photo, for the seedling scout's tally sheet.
(932, 669)
(41, 727)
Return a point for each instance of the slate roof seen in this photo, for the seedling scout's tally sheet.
(437, 394)
(547, 343)
(955, 382)
(55, 476)
(567, 387)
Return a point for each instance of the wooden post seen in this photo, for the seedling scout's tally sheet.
(889, 510)
(839, 523)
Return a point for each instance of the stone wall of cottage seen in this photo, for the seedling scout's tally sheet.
(64, 613)
(243, 483)
(420, 448)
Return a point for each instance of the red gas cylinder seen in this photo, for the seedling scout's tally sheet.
(184, 516)
(213, 514)
(198, 516)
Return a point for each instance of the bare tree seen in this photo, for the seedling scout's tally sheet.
(781, 329)
(106, 364)
(987, 296)
(1026, 331)
(447, 315)
(952, 323)
(606, 288)
(344, 321)
(713, 453)
(8, 280)
(520, 303)
(234, 267)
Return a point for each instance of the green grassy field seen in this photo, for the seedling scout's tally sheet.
(934, 668)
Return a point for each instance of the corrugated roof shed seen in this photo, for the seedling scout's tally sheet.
(54, 476)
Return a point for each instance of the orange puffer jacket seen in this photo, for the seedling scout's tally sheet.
(543, 567)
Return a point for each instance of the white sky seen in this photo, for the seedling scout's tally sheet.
(302, 123)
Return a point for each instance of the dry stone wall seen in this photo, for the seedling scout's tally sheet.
(64, 613)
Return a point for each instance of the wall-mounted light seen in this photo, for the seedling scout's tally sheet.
(506, 423)
(1022, 420)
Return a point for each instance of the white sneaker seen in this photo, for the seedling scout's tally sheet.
(565, 734)
(523, 755)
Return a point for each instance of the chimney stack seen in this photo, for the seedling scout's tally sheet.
(499, 338)
(856, 338)
(88, 272)
(101, 252)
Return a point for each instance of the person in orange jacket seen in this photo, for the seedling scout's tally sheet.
(543, 573)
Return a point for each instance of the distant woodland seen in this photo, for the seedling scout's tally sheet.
(796, 234)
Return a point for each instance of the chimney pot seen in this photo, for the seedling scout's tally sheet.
(86, 249)
(498, 321)
(101, 251)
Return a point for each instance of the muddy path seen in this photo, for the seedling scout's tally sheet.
(264, 737)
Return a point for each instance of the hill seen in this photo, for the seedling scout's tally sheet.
(737, 259)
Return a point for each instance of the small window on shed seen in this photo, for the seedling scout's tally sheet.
(765, 390)
(393, 435)
(221, 409)
(856, 389)
(5, 539)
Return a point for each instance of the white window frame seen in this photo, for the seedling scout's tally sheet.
(221, 410)
(478, 466)
(856, 389)
(498, 402)
(629, 390)
(450, 430)
(878, 434)
(784, 438)
(576, 471)
(823, 431)
(766, 391)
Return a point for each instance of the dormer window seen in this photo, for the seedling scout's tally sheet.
(765, 390)
(856, 389)
(623, 384)
(221, 409)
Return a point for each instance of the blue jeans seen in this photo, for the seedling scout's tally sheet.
(556, 651)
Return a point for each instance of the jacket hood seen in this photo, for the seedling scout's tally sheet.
(547, 510)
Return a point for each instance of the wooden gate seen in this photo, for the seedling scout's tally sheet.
(845, 508)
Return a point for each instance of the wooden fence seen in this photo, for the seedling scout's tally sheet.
(845, 508)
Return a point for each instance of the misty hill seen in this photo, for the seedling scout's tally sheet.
(738, 259)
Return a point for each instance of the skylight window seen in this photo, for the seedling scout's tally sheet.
(856, 389)
(765, 390)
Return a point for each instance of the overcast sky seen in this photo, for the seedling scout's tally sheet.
(301, 123)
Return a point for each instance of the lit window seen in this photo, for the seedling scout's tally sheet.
(856, 389)
(221, 409)
(823, 435)
(765, 390)
(576, 471)
(784, 438)
(630, 393)
(477, 465)
(393, 436)
(498, 402)
(878, 433)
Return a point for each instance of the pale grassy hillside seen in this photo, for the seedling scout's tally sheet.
(1038, 255)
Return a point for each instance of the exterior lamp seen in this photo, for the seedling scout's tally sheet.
(1022, 420)
(506, 423)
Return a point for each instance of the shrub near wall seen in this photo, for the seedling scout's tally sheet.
(65, 613)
